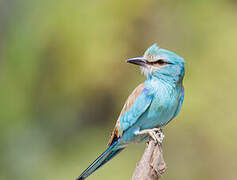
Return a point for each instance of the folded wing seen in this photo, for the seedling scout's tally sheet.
(136, 104)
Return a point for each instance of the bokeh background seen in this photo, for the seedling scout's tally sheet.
(63, 82)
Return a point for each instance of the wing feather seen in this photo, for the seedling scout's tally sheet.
(136, 109)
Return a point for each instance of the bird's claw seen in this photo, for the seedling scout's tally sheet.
(156, 134)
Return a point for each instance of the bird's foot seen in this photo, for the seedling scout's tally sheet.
(156, 134)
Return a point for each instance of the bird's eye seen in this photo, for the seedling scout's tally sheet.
(160, 62)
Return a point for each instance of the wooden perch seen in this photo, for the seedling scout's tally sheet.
(152, 164)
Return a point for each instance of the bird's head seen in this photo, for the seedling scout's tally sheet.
(160, 63)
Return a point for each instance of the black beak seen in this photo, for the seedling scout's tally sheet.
(137, 60)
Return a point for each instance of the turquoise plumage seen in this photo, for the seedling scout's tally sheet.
(151, 105)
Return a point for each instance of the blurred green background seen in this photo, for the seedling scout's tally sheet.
(64, 80)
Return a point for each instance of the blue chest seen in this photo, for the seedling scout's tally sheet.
(165, 103)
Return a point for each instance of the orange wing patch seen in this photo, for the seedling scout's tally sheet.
(117, 132)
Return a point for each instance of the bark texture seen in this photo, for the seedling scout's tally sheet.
(152, 164)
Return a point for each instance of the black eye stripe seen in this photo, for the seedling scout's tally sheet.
(160, 62)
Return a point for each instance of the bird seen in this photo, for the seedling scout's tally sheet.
(151, 106)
